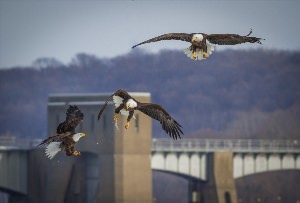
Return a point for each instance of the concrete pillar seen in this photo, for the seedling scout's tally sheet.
(194, 191)
(125, 174)
(220, 187)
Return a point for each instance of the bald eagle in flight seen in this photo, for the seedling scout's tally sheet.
(200, 49)
(126, 105)
(65, 137)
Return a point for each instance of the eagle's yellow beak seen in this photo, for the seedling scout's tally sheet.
(83, 134)
(127, 106)
(193, 39)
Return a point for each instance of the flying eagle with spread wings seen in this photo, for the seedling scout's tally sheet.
(65, 137)
(126, 105)
(200, 49)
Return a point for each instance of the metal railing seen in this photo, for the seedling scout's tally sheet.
(188, 145)
(12, 142)
(235, 145)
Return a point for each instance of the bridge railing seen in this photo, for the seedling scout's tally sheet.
(189, 144)
(12, 142)
(235, 145)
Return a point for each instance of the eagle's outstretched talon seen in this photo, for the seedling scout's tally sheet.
(127, 125)
(194, 55)
(116, 117)
(76, 153)
(204, 54)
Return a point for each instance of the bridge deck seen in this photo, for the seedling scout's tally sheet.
(235, 145)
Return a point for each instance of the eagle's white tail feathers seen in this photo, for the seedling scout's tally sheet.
(52, 149)
(210, 49)
(199, 53)
(123, 113)
(126, 113)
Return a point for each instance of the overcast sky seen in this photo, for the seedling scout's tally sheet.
(30, 29)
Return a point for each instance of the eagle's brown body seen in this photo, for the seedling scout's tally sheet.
(198, 46)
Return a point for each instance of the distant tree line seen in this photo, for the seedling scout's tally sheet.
(238, 94)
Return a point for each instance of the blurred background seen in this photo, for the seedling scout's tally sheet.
(247, 91)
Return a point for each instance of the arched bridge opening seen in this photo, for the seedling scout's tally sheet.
(252, 163)
(191, 187)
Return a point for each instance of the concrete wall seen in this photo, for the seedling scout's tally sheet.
(125, 170)
(220, 187)
(58, 180)
(13, 171)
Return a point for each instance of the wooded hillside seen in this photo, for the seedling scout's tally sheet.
(245, 94)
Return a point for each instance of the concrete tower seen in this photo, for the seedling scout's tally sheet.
(114, 165)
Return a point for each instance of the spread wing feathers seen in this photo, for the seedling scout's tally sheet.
(121, 93)
(171, 36)
(52, 149)
(73, 117)
(232, 39)
(55, 138)
(158, 113)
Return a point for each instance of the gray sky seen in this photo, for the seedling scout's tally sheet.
(30, 29)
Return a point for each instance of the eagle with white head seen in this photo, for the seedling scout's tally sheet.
(199, 48)
(126, 105)
(61, 142)
(65, 137)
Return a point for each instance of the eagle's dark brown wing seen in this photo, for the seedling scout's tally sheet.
(73, 117)
(121, 93)
(171, 36)
(156, 112)
(55, 138)
(232, 39)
